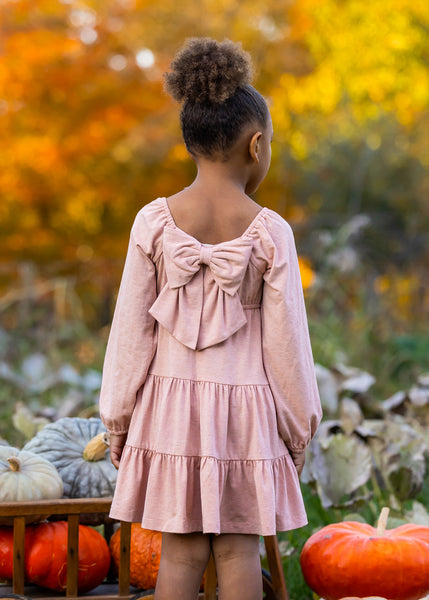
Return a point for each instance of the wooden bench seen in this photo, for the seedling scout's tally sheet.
(71, 509)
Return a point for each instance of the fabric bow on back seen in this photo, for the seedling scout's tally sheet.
(200, 306)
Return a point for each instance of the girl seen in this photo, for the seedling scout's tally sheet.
(209, 390)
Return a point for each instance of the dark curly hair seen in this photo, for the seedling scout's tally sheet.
(212, 79)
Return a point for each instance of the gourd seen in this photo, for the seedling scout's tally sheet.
(46, 556)
(145, 555)
(25, 476)
(352, 558)
(79, 449)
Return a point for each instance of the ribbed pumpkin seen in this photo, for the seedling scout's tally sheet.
(79, 449)
(46, 556)
(26, 476)
(145, 555)
(354, 558)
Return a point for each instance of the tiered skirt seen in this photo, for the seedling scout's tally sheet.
(205, 456)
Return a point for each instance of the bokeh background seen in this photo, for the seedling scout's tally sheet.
(88, 137)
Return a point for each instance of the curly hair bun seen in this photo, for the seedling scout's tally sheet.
(207, 71)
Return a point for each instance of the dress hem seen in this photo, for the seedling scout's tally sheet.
(197, 527)
(180, 494)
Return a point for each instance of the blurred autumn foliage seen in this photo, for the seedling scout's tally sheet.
(88, 137)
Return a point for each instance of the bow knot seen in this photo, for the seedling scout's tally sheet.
(196, 312)
(205, 255)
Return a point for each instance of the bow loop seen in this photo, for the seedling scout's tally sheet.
(197, 315)
(183, 257)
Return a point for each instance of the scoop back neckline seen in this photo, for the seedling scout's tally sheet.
(245, 233)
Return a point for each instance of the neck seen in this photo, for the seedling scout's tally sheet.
(221, 178)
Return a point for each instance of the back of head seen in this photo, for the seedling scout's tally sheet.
(212, 79)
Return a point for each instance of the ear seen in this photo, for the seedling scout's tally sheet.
(254, 146)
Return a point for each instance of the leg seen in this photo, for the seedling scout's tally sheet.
(184, 558)
(238, 566)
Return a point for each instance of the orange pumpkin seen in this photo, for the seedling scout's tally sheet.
(354, 558)
(145, 555)
(46, 556)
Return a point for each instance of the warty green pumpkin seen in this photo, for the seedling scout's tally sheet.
(79, 449)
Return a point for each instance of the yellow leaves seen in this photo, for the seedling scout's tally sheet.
(298, 145)
(122, 152)
(80, 212)
(401, 292)
(320, 91)
(373, 141)
(364, 53)
(308, 276)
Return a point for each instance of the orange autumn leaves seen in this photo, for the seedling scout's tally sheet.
(88, 136)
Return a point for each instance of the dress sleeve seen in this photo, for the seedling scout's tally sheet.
(132, 342)
(287, 355)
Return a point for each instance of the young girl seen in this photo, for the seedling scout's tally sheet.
(209, 390)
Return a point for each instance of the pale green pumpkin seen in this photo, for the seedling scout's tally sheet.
(26, 476)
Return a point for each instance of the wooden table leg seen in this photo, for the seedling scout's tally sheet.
(124, 559)
(72, 555)
(276, 568)
(210, 580)
(18, 555)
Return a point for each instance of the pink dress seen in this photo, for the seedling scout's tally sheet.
(210, 371)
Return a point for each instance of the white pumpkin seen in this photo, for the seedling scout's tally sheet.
(26, 476)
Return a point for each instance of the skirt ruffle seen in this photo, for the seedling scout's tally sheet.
(183, 494)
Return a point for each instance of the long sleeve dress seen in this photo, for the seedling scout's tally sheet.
(209, 370)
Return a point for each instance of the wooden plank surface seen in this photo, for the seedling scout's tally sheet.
(69, 506)
(103, 591)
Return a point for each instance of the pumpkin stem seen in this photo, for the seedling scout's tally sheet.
(96, 447)
(14, 463)
(382, 520)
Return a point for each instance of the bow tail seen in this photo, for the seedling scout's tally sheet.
(179, 311)
(222, 316)
(195, 320)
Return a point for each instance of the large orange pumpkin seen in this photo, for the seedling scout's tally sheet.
(145, 555)
(46, 556)
(352, 558)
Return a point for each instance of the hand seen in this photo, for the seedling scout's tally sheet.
(117, 443)
(298, 460)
